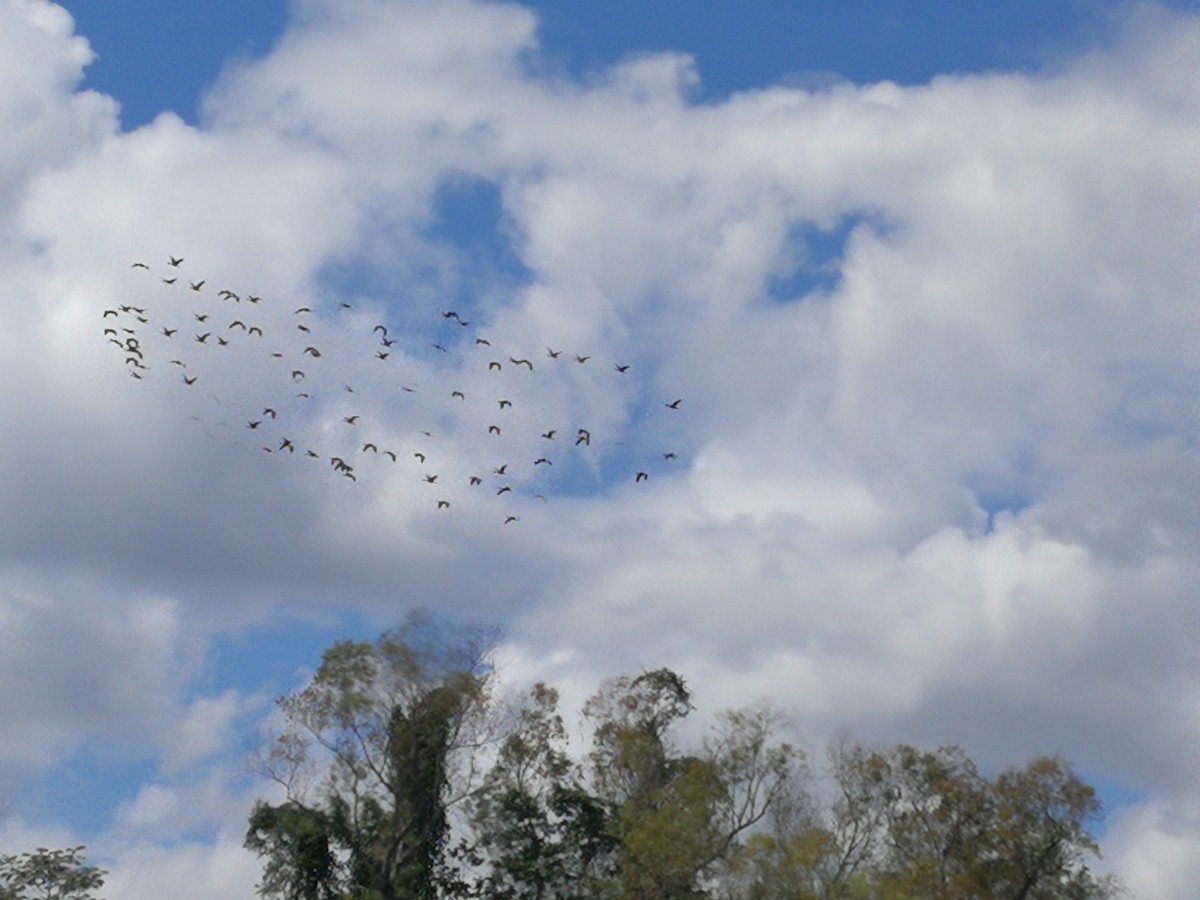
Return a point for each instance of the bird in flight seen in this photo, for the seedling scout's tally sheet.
(674, 404)
(640, 476)
(139, 265)
(174, 261)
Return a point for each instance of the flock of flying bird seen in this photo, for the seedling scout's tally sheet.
(316, 398)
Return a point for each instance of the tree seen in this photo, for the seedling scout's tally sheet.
(1040, 837)
(909, 823)
(365, 756)
(49, 875)
(540, 832)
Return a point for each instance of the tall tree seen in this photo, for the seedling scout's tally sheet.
(365, 756)
(45, 874)
(540, 832)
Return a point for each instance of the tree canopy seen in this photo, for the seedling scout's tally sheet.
(405, 777)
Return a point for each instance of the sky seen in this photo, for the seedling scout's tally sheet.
(923, 283)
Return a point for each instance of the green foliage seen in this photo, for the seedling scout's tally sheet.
(366, 756)
(49, 875)
(369, 751)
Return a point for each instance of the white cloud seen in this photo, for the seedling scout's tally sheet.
(1155, 848)
(951, 496)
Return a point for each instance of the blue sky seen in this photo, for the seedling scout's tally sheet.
(160, 56)
(919, 273)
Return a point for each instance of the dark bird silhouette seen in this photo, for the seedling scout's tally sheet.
(379, 354)
(430, 479)
(221, 342)
(542, 461)
(201, 338)
(584, 437)
(269, 411)
(507, 489)
(553, 354)
(504, 404)
(512, 519)
(167, 332)
(371, 447)
(674, 404)
(621, 368)
(581, 359)
(174, 261)
(297, 374)
(459, 394)
(438, 347)
(139, 265)
(494, 365)
(669, 455)
(109, 312)
(382, 329)
(449, 314)
(170, 280)
(493, 429)
(474, 480)
(201, 317)
(640, 476)
(443, 504)
(304, 328)
(313, 352)
(196, 285)
(287, 445)
(190, 381)
(254, 329)
(227, 294)
(521, 362)
(391, 454)
(238, 323)
(350, 420)
(501, 470)
(484, 341)
(254, 424)
(303, 309)
(549, 435)
(420, 456)
(250, 298)
(388, 342)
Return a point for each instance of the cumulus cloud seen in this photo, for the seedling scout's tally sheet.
(934, 472)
